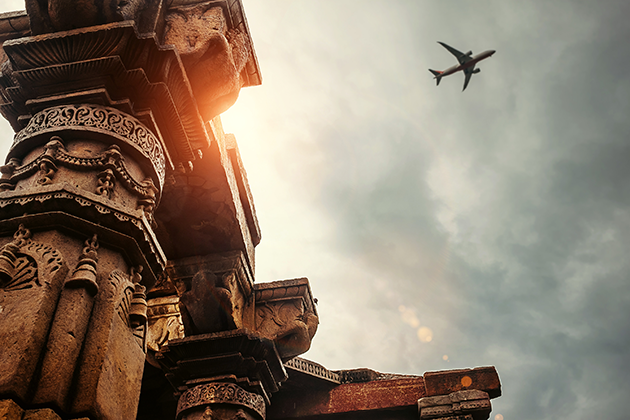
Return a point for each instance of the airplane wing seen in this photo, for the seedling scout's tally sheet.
(461, 57)
(468, 74)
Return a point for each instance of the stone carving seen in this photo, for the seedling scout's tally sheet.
(112, 160)
(18, 269)
(111, 216)
(165, 322)
(84, 275)
(8, 257)
(207, 307)
(106, 182)
(288, 325)
(313, 369)
(47, 170)
(88, 117)
(470, 404)
(214, 56)
(138, 304)
(220, 393)
(285, 313)
(7, 172)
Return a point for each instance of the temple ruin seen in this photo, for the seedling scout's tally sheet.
(127, 235)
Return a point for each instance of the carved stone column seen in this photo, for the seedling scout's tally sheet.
(75, 193)
(113, 111)
(223, 375)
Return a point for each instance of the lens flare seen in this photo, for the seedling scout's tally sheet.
(425, 334)
(498, 417)
(466, 381)
(408, 316)
(445, 358)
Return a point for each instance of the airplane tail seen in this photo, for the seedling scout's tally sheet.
(438, 75)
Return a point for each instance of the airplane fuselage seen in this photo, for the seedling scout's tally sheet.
(470, 63)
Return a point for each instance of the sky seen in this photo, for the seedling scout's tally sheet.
(443, 229)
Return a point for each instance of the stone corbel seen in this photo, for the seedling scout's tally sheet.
(213, 54)
(286, 314)
(471, 404)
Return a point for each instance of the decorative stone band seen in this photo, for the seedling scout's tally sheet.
(313, 369)
(95, 118)
(220, 393)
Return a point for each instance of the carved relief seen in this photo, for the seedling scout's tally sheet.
(214, 56)
(47, 169)
(221, 393)
(131, 306)
(97, 118)
(18, 269)
(106, 181)
(207, 306)
(84, 275)
(165, 322)
(111, 160)
(285, 314)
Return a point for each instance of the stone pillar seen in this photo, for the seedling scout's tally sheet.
(223, 375)
(75, 193)
(119, 164)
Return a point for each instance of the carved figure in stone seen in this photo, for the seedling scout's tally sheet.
(214, 56)
(288, 325)
(207, 306)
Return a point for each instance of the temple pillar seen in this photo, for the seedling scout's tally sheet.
(223, 375)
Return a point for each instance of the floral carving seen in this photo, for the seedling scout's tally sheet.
(18, 261)
(220, 393)
(94, 117)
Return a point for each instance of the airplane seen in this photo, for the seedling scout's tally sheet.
(466, 64)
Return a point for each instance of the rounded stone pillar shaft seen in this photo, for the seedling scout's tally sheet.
(78, 195)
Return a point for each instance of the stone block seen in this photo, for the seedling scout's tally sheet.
(9, 410)
(447, 381)
(458, 404)
(286, 314)
(43, 414)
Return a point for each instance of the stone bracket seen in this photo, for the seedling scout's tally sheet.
(473, 403)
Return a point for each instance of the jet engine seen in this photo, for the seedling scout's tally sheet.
(476, 71)
(469, 53)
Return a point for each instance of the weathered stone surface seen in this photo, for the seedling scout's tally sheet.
(68, 329)
(209, 217)
(286, 314)
(27, 303)
(448, 381)
(9, 410)
(472, 403)
(42, 414)
(221, 401)
(112, 361)
(239, 356)
(302, 396)
(213, 54)
(165, 323)
(215, 292)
